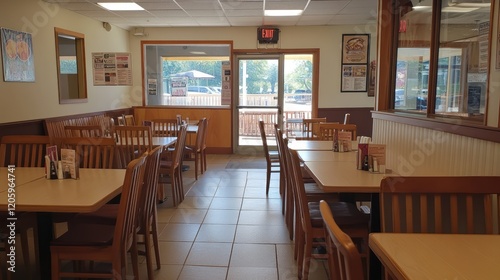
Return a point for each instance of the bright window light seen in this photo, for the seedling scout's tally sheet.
(128, 6)
(282, 13)
(458, 10)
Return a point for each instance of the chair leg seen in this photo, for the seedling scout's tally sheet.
(268, 178)
(147, 250)
(196, 159)
(306, 257)
(134, 257)
(156, 244)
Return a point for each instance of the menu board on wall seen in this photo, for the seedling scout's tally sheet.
(112, 69)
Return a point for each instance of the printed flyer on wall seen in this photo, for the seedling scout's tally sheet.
(112, 69)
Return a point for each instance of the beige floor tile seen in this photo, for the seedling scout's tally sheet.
(268, 234)
(261, 192)
(216, 233)
(226, 203)
(253, 255)
(209, 254)
(261, 204)
(230, 192)
(257, 183)
(203, 272)
(252, 273)
(174, 252)
(257, 174)
(199, 190)
(233, 182)
(196, 202)
(167, 272)
(285, 258)
(251, 217)
(222, 217)
(188, 216)
(179, 232)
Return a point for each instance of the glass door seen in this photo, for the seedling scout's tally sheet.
(260, 96)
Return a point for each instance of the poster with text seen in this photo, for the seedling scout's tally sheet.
(354, 78)
(112, 69)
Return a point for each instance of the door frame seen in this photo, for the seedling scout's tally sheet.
(276, 53)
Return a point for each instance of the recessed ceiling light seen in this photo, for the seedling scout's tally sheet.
(127, 6)
(282, 13)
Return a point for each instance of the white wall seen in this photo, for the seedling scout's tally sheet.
(26, 101)
(327, 38)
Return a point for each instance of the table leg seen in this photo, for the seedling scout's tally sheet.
(45, 234)
(375, 272)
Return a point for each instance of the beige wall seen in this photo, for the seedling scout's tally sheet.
(327, 38)
(26, 101)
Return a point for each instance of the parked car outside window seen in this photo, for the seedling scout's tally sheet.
(201, 89)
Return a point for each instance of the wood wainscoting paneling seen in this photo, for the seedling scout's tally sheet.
(219, 137)
(37, 126)
(361, 117)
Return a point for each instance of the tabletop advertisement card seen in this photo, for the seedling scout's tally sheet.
(342, 141)
(70, 168)
(376, 158)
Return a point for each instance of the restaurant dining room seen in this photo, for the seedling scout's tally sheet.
(184, 140)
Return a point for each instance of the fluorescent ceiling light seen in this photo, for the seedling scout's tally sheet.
(478, 5)
(419, 8)
(458, 9)
(128, 6)
(282, 13)
(195, 52)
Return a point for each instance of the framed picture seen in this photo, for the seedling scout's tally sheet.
(355, 48)
(17, 56)
(354, 78)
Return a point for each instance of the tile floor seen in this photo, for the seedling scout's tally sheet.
(226, 228)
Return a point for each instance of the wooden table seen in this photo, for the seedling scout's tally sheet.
(22, 176)
(94, 188)
(342, 176)
(438, 256)
(307, 155)
(311, 145)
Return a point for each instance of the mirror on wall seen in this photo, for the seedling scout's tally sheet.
(70, 56)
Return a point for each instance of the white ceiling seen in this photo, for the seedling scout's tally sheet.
(197, 13)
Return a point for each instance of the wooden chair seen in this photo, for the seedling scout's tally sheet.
(310, 128)
(172, 169)
(83, 131)
(193, 152)
(272, 157)
(92, 152)
(344, 260)
(24, 151)
(133, 141)
(448, 204)
(104, 243)
(165, 127)
(310, 225)
(147, 215)
(327, 130)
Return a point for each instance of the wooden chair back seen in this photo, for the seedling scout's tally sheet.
(126, 220)
(92, 152)
(447, 204)
(327, 130)
(263, 136)
(310, 128)
(127, 120)
(342, 252)
(83, 131)
(133, 141)
(165, 127)
(23, 150)
(149, 190)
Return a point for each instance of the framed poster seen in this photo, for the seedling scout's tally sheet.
(355, 48)
(17, 56)
(354, 78)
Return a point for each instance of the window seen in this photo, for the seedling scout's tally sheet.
(442, 70)
(186, 74)
(70, 55)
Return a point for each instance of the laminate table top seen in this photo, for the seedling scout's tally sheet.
(94, 188)
(438, 256)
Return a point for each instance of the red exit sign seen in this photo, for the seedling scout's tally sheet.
(268, 35)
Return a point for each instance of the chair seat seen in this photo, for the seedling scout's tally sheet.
(345, 214)
(86, 235)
